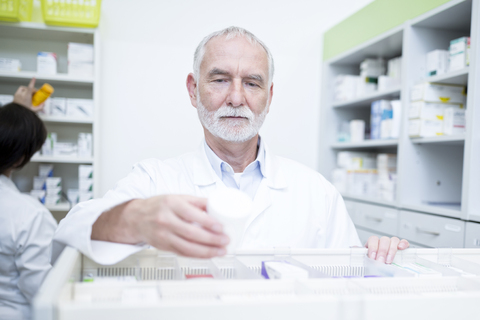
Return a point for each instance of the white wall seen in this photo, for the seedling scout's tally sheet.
(147, 52)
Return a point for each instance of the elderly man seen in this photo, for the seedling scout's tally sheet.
(163, 203)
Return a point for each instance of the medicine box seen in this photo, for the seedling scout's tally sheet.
(426, 110)
(5, 99)
(454, 121)
(54, 191)
(53, 182)
(39, 183)
(80, 52)
(85, 185)
(437, 62)
(73, 196)
(52, 200)
(85, 171)
(47, 63)
(425, 128)
(80, 108)
(45, 170)
(85, 196)
(10, 65)
(58, 106)
(38, 194)
(432, 92)
(459, 53)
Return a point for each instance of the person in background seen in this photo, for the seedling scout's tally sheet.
(26, 226)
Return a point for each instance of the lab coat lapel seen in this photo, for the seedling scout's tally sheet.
(261, 202)
(204, 177)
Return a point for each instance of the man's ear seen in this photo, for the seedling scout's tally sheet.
(270, 96)
(192, 89)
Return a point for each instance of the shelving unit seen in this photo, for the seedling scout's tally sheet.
(23, 41)
(438, 177)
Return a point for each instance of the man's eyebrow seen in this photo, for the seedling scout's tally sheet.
(216, 71)
(255, 77)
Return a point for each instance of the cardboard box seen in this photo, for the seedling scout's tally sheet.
(425, 128)
(85, 185)
(426, 110)
(10, 65)
(442, 93)
(53, 182)
(45, 170)
(437, 62)
(80, 108)
(58, 107)
(458, 53)
(85, 171)
(47, 63)
(454, 121)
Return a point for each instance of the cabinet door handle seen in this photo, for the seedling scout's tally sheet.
(433, 233)
(374, 218)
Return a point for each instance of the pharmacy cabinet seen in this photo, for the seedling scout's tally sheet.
(472, 235)
(23, 41)
(430, 230)
(435, 176)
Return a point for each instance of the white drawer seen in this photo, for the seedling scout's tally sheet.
(472, 235)
(351, 209)
(431, 231)
(377, 218)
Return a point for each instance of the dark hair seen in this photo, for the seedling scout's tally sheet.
(22, 133)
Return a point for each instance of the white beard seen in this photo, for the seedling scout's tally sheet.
(233, 130)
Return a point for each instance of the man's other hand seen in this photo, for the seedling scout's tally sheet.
(176, 223)
(24, 95)
(385, 248)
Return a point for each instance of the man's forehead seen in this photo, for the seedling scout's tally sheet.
(221, 50)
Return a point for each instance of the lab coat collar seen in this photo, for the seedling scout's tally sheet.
(8, 182)
(204, 174)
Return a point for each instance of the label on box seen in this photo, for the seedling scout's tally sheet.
(10, 65)
(82, 108)
(47, 63)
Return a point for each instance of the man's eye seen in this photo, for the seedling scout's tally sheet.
(251, 84)
(219, 80)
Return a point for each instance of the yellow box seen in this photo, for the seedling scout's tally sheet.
(72, 13)
(16, 10)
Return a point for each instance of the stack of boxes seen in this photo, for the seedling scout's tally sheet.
(436, 110)
(385, 118)
(83, 149)
(46, 187)
(85, 186)
(455, 58)
(366, 175)
(61, 107)
(374, 76)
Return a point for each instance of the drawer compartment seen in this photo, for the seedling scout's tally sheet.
(377, 218)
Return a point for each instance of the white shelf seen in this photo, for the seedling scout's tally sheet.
(52, 79)
(62, 206)
(52, 159)
(365, 144)
(369, 200)
(452, 77)
(443, 210)
(65, 119)
(441, 140)
(41, 31)
(368, 99)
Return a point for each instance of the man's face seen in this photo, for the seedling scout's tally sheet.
(233, 93)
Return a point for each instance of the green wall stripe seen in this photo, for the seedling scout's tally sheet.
(373, 20)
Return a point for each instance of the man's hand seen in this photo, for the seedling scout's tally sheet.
(24, 95)
(176, 223)
(385, 248)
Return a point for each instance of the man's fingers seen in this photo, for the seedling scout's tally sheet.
(198, 202)
(191, 249)
(403, 244)
(31, 85)
(191, 213)
(372, 245)
(195, 233)
(383, 247)
(392, 250)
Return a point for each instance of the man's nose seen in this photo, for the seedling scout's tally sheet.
(236, 94)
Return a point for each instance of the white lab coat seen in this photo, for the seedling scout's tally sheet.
(294, 206)
(26, 232)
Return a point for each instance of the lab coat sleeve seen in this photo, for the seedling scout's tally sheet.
(76, 229)
(341, 232)
(33, 250)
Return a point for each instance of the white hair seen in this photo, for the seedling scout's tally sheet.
(230, 33)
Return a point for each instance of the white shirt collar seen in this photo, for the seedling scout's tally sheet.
(8, 182)
(217, 163)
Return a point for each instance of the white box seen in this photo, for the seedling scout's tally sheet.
(345, 87)
(58, 106)
(386, 163)
(397, 118)
(5, 99)
(47, 63)
(85, 171)
(80, 52)
(446, 93)
(394, 68)
(386, 82)
(85, 145)
(53, 182)
(81, 108)
(52, 200)
(458, 53)
(357, 130)
(73, 196)
(39, 183)
(426, 110)
(38, 194)
(80, 69)
(454, 121)
(437, 62)
(47, 107)
(47, 148)
(356, 160)
(85, 185)
(54, 191)
(65, 149)
(45, 170)
(425, 128)
(362, 182)
(85, 196)
(10, 65)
